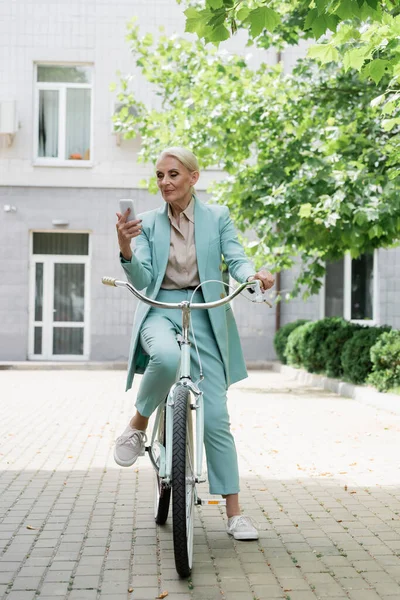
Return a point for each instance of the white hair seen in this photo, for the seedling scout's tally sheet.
(185, 156)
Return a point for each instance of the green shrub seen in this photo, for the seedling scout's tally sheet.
(333, 347)
(385, 357)
(314, 354)
(297, 341)
(281, 338)
(356, 359)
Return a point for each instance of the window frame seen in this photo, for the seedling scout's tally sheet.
(61, 88)
(347, 292)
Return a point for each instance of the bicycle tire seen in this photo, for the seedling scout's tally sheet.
(182, 483)
(162, 492)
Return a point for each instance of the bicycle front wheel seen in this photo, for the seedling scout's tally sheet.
(183, 482)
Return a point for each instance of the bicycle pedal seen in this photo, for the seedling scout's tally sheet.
(209, 502)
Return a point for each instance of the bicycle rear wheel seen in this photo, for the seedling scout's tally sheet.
(162, 492)
(183, 482)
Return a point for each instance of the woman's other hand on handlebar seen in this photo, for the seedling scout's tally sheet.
(265, 277)
(126, 231)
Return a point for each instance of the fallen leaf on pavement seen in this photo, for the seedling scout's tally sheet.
(163, 595)
(130, 590)
(30, 527)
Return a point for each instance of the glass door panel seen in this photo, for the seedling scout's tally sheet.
(68, 307)
(69, 292)
(38, 329)
(68, 340)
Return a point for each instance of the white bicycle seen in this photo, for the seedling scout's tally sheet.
(175, 453)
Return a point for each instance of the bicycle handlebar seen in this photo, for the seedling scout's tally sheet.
(205, 305)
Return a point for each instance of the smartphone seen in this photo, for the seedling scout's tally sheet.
(124, 204)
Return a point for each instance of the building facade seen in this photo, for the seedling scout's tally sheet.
(62, 171)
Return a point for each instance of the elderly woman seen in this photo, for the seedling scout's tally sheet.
(178, 246)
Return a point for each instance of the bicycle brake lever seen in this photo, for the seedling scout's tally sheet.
(259, 293)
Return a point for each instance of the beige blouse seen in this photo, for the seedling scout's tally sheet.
(182, 271)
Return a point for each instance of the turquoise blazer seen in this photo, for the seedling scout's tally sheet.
(215, 235)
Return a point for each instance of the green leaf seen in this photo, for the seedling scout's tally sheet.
(217, 19)
(262, 18)
(215, 3)
(375, 231)
(375, 69)
(218, 34)
(354, 59)
(378, 100)
(388, 124)
(360, 218)
(305, 211)
(322, 23)
(196, 20)
(348, 9)
(319, 26)
(323, 53)
(243, 13)
(310, 18)
(391, 105)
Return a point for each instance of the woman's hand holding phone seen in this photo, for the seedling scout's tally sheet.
(128, 227)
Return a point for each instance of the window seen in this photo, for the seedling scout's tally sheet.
(334, 289)
(351, 289)
(63, 115)
(362, 276)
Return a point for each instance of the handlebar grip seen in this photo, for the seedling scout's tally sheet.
(109, 281)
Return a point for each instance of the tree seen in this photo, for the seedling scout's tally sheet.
(363, 35)
(305, 151)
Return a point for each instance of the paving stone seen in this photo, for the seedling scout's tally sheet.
(83, 595)
(20, 595)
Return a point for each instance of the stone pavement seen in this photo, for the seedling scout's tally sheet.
(319, 473)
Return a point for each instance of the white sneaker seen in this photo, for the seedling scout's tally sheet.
(242, 528)
(129, 446)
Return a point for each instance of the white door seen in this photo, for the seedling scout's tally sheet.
(59, 296)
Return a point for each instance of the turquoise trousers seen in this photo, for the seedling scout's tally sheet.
(158, 339)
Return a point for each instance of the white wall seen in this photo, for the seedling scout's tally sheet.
(94, 32)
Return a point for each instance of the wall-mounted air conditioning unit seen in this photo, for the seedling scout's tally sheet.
(8, 120)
